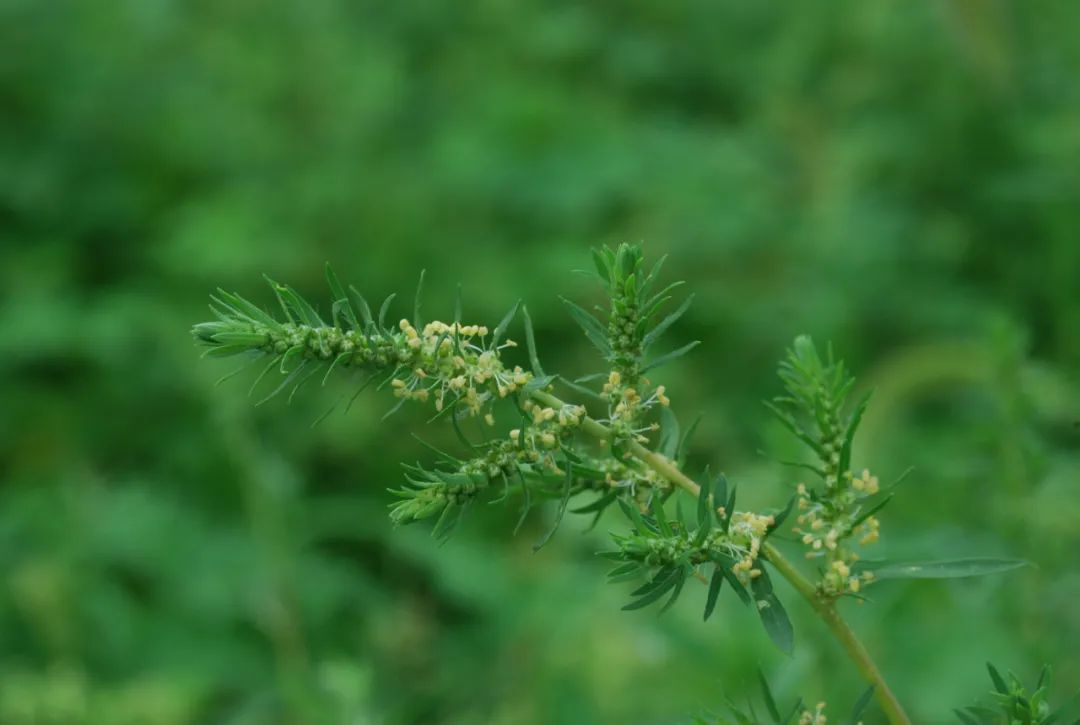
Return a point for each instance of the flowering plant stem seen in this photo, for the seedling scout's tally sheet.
(824, 607)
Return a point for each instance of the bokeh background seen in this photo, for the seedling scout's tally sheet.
(899, 178)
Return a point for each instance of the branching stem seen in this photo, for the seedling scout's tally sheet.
(824, 607)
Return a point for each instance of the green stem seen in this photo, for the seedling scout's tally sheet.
(824, 607)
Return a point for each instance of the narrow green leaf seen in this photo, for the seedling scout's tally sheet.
(725, 564)
(602, 267)
(281, 300)
(270, 366)
(1044, 678)
(772, 614)
(684, 440)
(526, 502)
(965, 718)
(770, 701)
(418, 322)
(658, 299)
(364, 308)
(673, 355)
(653, 275)
(253, 356)
(655, 593)
(342, 307)
(669, 434)
(341, 357)
(628, 575)
(384, 309)
(715, 583)
(944, 569)
(995, 676)
(795, 709)
(228, 350)
(538, 383)
(872, 510)
(861, 705)
(654, 334)
(456, 425)
(296, 351)
(446, 522)
(656, 581)
(679, 582)
(594, 330)
(626, 568)
(631, 512)
(559, 513)
(332, 280)
(249, 309)
(303, 308)
(661, 518)
(778, 519)
(530, 343)
(720, 492)
(397, 406)
(342, 315)
(284, 383)
(500, 329)
(729, 510)
(703, 501)
(598, 505)
(680, 515)
(849, 434)
(581, 389)
(789, 422)
(247, 339)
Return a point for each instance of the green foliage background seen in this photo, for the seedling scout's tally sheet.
(900, 178)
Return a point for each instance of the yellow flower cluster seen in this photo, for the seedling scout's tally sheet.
(547, 428)
(865, 483)
(839, 578)
(641, 483)
(626, 406)
(745, 536)
(826, 529)
(454, 360)
(815, 716)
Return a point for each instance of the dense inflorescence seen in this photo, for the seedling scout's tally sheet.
(554, 450)
(627, 336)
(459, 369)
(837, 516)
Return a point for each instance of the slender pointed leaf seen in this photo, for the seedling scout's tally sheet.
(384, 309)
(680, 581)
(872, 510)
(995, 676)
(849, 434)
(861, 705)
(770, 701)
(703, 500)
(594, 330)
(500, 329)
(715, 583)
(530, 343)
(772, 614)
(560, 512)
(668, 357)
(655, 593)
(662, 327)
(418, 322)
(598, 505)
(944, 569)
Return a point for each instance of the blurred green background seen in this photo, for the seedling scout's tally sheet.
(899, 178)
